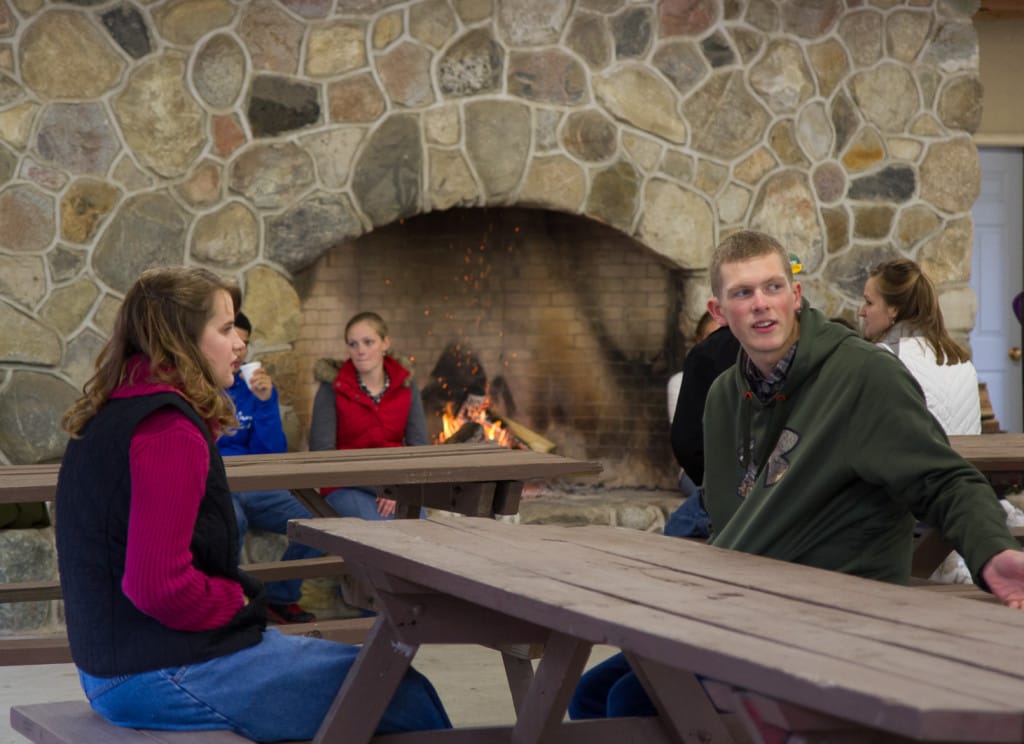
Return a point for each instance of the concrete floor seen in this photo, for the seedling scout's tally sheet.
(470, 680)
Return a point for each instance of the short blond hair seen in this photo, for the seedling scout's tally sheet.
(742, 246)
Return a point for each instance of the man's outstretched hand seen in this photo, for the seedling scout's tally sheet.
(1004, 574)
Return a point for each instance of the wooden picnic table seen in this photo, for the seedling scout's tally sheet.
(467, 478)
(1000, 457)
(798, 648)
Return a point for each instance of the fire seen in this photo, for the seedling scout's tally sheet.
(474, 410)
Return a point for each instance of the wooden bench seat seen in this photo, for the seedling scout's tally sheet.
(74, 722)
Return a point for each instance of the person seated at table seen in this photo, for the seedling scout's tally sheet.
(370, 400)
(820, 450)
(165, 629)
(901, 314)
(706, 325)
(261, 432)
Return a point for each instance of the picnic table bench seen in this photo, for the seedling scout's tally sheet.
(782, 646)
(480, 479)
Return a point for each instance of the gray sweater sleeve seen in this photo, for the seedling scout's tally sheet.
(416, 424)
(323, 428)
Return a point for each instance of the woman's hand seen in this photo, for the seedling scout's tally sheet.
(261, 384)
(385, 507)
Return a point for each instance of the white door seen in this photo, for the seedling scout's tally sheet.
(996, 277)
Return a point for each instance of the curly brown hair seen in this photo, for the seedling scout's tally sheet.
(162, 317)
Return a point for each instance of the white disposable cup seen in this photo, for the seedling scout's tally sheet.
(247, 369)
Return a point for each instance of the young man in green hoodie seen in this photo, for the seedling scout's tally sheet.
(819, 449)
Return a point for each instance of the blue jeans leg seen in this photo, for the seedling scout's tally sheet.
(608, 690)
(690, 519)
(270, 511)
(355, 502)
(277, 690)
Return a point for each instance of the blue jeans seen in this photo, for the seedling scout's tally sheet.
(610, 690)
(270, 511)
(355, 502)
(278, 690)
(690, 519)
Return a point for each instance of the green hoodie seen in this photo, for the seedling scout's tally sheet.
(852, 454)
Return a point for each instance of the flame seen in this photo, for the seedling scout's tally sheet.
(475, 410)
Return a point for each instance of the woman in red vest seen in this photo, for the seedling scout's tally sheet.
(368, 401)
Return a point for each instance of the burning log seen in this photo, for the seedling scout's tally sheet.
(470, 431)
(524, 434)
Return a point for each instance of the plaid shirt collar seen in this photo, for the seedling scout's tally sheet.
(766, 387)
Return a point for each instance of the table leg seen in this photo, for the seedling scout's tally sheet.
(542, 711)
(368, 687)
(519, 671)
(682, 704)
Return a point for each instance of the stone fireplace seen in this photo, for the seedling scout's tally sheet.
(575, 162)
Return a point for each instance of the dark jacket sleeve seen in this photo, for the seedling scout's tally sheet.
(323, 430)
(705, 362)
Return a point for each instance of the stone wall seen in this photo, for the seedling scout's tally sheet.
(252, 136)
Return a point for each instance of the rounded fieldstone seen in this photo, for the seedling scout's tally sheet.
(726, 119)
(355, 99)
(387, 176)
(782, 140)
(23, 279)
(80, 358)
(49, 178)
(147, 230)
(957, 194)
(67, 307)
(547, 77)
(634, 95)
(336, 48)
(387, 29)
(31, 407)
(947, 256)
(405, 74)
(837, 228)
(334, 152)
(710, 176)
(845, 121)
(84, 206)
(432, 22)
(272, 37)
(632, 30)
(128, 28)
(554, 182)
(441, 125)
(717, 50)
(829, 182)
(752, 168)
(678, 165)
(893, 183)
(309, 8)
(862, 33)
(472, 65)
(78, 137)
(683, 63)
(959, 105)
(130, 176)
(16, 124)
(278, 105)
(781, 77)
(162, 123)
(589, 37)
(300, 235)
(27, 219)
(451, 181)
(219, 71)
(62, 55)
(545, 129)
(732, 204)
(906, 32)
(186, 21)
(106, 314)
(26, 341)
(866, 149)
(531, 22)
(887, 96)
(202, 188)
(471, 11)
(810, 20)
(590, 136)
(763, 15)
(644, 151)
(830, 65)
(872, 222)
(65, 262)
(614, 195)
(685, 17)
(272, 175)
(954, 48)
(10, 90)
(227, 238)
(848, 272)
(498, 144)
(915, 223)
(814, 131)
(678, 224)
(227, 134)
(748, 43)
(786, 208)
(29, 555)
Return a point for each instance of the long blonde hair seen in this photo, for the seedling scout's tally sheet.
(903, 286)
(163, 317)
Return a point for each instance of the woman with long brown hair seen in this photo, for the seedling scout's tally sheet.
(901, 313)
(165, 629)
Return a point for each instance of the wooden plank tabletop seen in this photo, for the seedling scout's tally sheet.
(453, 463)
(992, 453)
(913, 663)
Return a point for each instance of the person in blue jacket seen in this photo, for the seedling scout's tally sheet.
(260, 432)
